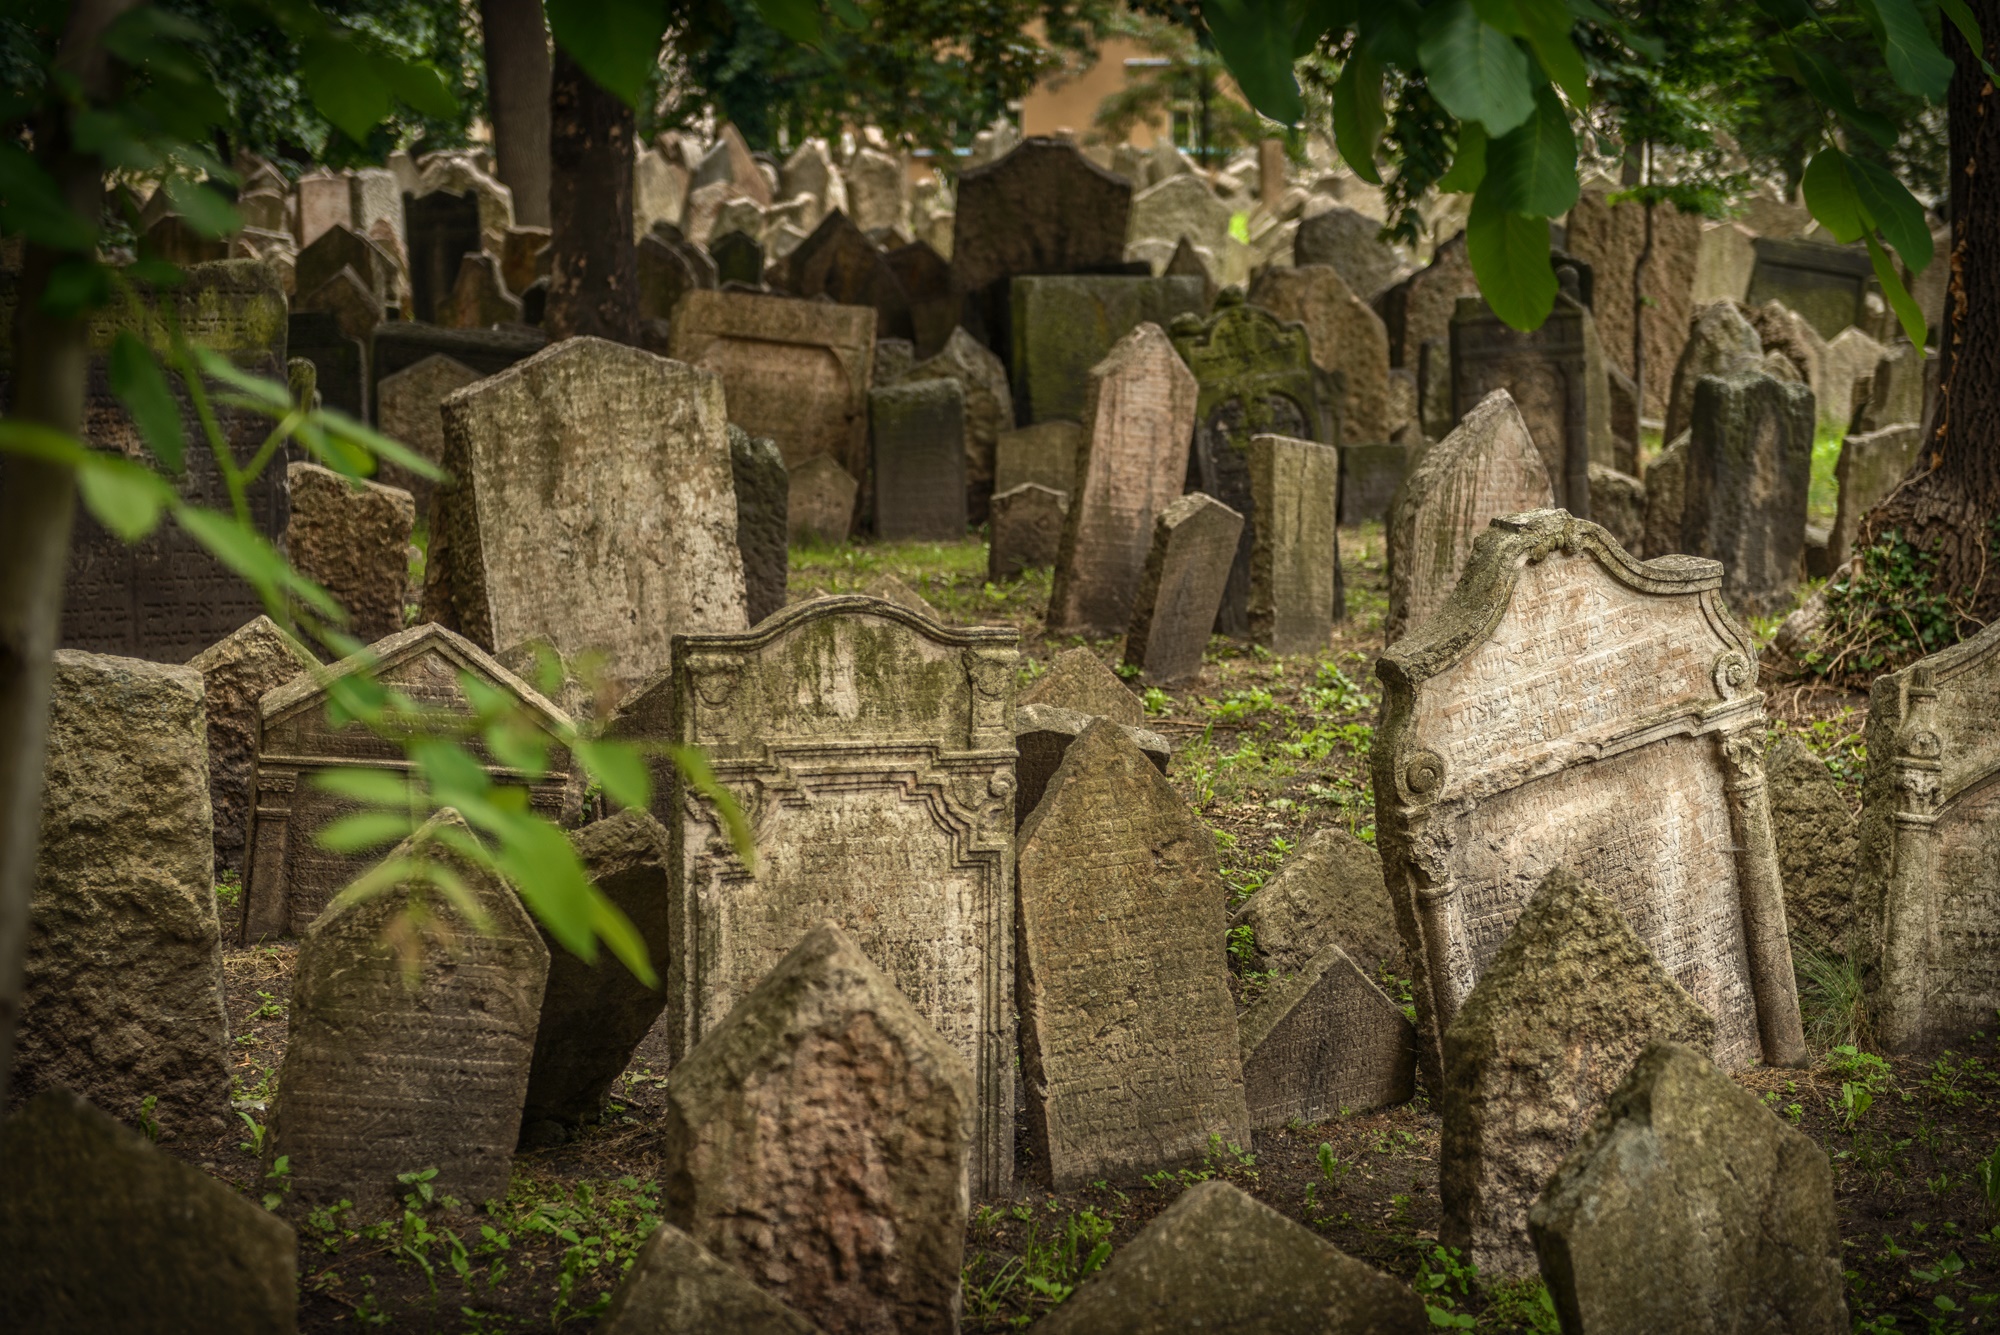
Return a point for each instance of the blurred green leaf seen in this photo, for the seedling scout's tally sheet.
(345, 84)
(1476, 72)
(1908, 313)
(621, 770)
(417, 85)
(364, 830)
(1968, 27)
(796, 19)
(1532, 170)
(376, 787)
(1829, 193)
(1915, 62)
(141, 385)
(125, 497)
(1510, 257)
(203, 209)
(538, 859)
(1468, 167)
(1358, 115)
(251, 555)
(611, 925)
(617, 42)
(31, 205)
(363, 437)
(1255, 37)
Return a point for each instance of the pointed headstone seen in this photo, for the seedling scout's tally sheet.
(676, 1286)
(1327, 891)
(341, 247)
(1187, 572)
(739, 258)
(1323, 1042)
(236, 671)
(1042, 737)
(1079, 680)
(1025, 528)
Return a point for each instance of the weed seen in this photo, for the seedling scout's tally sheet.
(1863, 1068)
(1444, 1280)
(146, 1122)
(1157, 701)
(255, 1145)
(281, 1174)
(1523, 1305)
(1987, 1173)
(1831, 999)
(1045, 1272)
(271, 1009)
(229, 888)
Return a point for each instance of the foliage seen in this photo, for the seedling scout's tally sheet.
(1885, 609)
(1057, 1251)
(1831, 997)
(1193, 73)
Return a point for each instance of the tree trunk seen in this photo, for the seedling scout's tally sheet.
(51, 356)
(517, 99)
(1952, 493)
(594, 279)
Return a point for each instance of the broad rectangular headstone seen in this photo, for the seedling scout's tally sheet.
(1749, 467)
(1063, 325)
(1543, 371)
(1826, 284)
(917, 430)
(1323, 1042)
(819, 505)
(352, 538)
(1870, 467)
(1295, 562)
(1348, 341)
(1044, 453)
(408, 408)
(1025, 529)
(1187, 571)
(1369, 477)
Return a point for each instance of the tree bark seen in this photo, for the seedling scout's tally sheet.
(517, 99)
(1952, 493)
(37, 500)
(594, 276)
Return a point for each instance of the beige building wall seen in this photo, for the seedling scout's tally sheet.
(1068, 101)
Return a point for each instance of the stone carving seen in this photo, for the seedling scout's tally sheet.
(1044, 453)
(1328, 891)
(762, 489)
(1749, 466)
(1324, 1041)
(1180, 591)
(1065, 324)
(917, 434)
(236, 671)
(1026, 525)
(352, 538)
(1348, 341)
(676, 1285)
(820, 501)
(1295, 586)
(1543, 372)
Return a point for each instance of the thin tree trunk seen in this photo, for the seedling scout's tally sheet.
(51, 356)
(517, 99)
(594, 277)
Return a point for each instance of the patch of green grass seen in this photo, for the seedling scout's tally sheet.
(1825, 491)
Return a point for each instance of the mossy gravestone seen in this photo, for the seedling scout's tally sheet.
(818, 1140)
(1749, 467)
(1064, 324)
(352, 538)
(762, 493)
(1295, 587)
(1570, 1000)
(917, 433)
(1689, 1206)
(104, 1232)
(1325, 1041)
(1129, 1036)
(1328, 891)
(1077, 679)
(383, 1075)
(676, 1286)
(1814, 827)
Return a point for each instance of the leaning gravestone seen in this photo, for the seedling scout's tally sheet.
(1347, 338)
(1544, 372)
(1044, 453)
(1749, 467)
(1219, 1259)
(1325, 1041)
(352, 538)
(1814, 829)
(291, 877)
(818, 1140)
(1418, 309)
(104, 1231)
(762, 486)
(1731, 1209)
(819, 505)
(1042, 737)
(336, 358)
(618, 460)
(1065, 324)
(235, 672)
(122, 991)
(407, 409)
(1573, 706)
(1132, 465)
(442, 228)
(872, 749)
(1026, 525)
(1871, 465)
(665, 273)
(479, 297)
(1187, 570)
(1129, 1045)
(1719, 342)
(1350, 243)
(1569, 1001)
(1328, 891)
(989, 407)
(676, 1286)
(1078, 679)
(383, 1075)
(1487, 467)
(837, 261)
(1295, 558)
(917, 434)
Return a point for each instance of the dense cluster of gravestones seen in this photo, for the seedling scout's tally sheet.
(973, 906)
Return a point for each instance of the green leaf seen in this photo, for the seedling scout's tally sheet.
(1254, 38)
(537, 858)
(1510, 257)
(205, 211)
(1546, 24)
(1790, 13)
(250, 555)
(345, 84)
(1919, 67)
(1894, 210)
(1968, 27)
(76, 283)
(453, 773)
(418, 85)
(1476, 72)
(1908, 313)
(620, 769)
(1532, 170)
(141, 385)
(609, 922)
(364, 830)
(31, 205)
(796, 19)
(693, 766)
(1358, 115)
(848, 15)
(125, 497)
(376, 787)
(617, 42)
(1829, 193)
(1468, 168)
(359, 435)
(1830, 86)
(269, 395)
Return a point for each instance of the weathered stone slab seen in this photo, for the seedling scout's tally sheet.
(1899, 389)
(459, 172)
(1295, 560)
(1846, 377)
(796, 371)
(1369, 477)
(401, 343)
(1487, 467)
(729, 161)
(820, 501)
(338, 361)
(1025, 528)
(934, 302)
(1044, 453)
(479, 297)
(1078, 679)
(739, 258)
(667, 272)
(1348, 341)
(1871, 465)
(1572, 706)
(989, 407)
(1418, 309)
(1325, 1041)
(123, 972)
(818, 1139)
(1350, 243)
(676, 1286)
(1814, 829)
(1217, 1259)
(1129, 1044)
(1568, 1002)
(1543, 372)
(382, 1076)
(352, 537)
(345, 296)
(1180, 207)
(1187, 570)
(1328, 891)
(1064, 325)
(1731, 1210)
(1618, 502)
(837, 261)
(1826, 284)
(1666, 498)
(441, 229)
(341, 247)
(1612, 238)
(917, 433)
(105, 1232)
(525, 257)
(291, 877)
(762, 489)
(1130, 467)
(873, 751)
(1042, 736)
(1749, 466)
(632, 450)
(325, 201)
(235, 672)
(407, 408)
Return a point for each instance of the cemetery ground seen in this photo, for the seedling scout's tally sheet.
(1268, 750)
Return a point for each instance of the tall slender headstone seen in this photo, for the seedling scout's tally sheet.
(1295, 561)
(236, 671)
(442, 229)
(1749, 468)
(989, 407)
(352, 538)
(1187, 571)
(762, 486)
(917, 431)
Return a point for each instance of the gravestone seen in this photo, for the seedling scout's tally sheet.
(1926, 845)
(934, 303)
(341, 247)
(352, 538)
(891, 588)
(838, 261)
(122, 976)
(1732, 1211)
(479, 297)
(729, 160)
(1544, 373)
(820, 501)
(525, 257)
(1025, 529)
(1219, 1259)
(1180, 590)
(383, 1073)
(1749, 467)
(1188, 262)
(1323, 1042)
(666, 273)
(1130, 466)
(325, 201)
(291, 877)
(659, 190)
(407, 409)
(1847, 374)
(593, 1014)
(1487, 467)
(873, 750)
(1064, 325)
(442, 228)
(1042, 737)
(796, 371)
(1826, 284)
(612, 456)
(1044, 453)
(877, 189)
(1666, 498)
(810, 170)
(1350, 243)
(1572, 706)
(1328, 891)
(677, 1285)
(989, 407)
(1256, 377)
(1569, 1000)
(1346, 337)
(1118, 881)
(739, 258)
(1814, 830)
(1418, 309)
(1180, 208)
(104, 1231)
(1899, 390)
(1614, 239)
(917, 432)
(401, 343)
(235, 671)
(893, 356)
(761, 533)
(1078, 679)
(1369, 477)
(337, 360)
(1871, 465)
(345, 296)
(1295, 587)
(1618, 502)
(818, 1141)
(460, 173)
